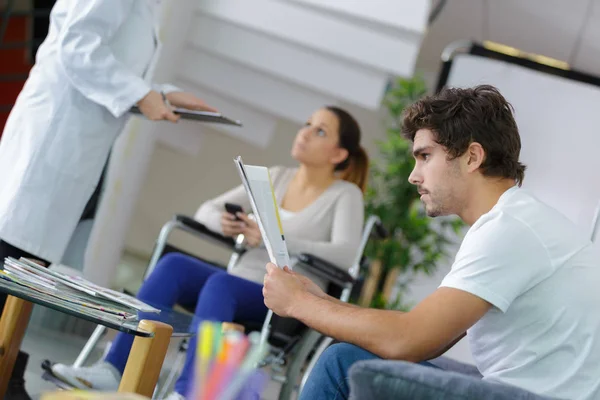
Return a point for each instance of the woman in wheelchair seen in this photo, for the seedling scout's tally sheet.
(321, 204)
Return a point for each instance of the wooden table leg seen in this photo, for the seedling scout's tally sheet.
(146, 359)
(80, 395)
(13, 324)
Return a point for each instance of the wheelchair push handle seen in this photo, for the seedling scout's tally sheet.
(380, 231)
(196, 227)
(325, 269)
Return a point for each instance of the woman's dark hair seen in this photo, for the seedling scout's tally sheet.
(459, 117)
(355, 168)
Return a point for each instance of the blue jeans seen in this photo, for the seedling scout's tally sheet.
(187, 281)
(329, 378)
(374, 378)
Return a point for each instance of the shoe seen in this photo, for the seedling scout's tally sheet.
(16, 384)
(174, 396)
(102, 376)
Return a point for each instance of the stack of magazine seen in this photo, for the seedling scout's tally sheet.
(72, 292)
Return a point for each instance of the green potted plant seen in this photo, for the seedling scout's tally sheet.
(416, 243)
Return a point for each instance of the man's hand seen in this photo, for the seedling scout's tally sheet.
(250, 230)
(188, 101)
(309, 285)
(230, 225)
(155, 109)
(282, 290)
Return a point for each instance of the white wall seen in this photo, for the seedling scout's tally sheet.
(272, 59)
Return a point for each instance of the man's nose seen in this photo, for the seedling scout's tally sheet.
(414, 177)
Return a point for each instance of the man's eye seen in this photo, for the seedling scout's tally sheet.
(321, 133)
(425, 156)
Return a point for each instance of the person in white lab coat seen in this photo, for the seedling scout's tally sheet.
(93, 66)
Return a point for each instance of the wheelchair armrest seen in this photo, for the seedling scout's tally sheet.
(325, 269)
(195, 227)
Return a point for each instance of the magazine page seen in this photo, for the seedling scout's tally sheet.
(48, 273)
(81, 284)
(117, 296)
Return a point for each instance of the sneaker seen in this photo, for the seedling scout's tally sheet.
(174, 396)
(101, 376)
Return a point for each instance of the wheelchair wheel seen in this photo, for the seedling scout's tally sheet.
(298, 359)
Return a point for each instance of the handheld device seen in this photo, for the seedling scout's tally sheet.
(233, 209)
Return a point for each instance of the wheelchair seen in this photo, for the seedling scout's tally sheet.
(292, 344)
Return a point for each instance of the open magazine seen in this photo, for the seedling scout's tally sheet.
(259, 187)
(71, 288)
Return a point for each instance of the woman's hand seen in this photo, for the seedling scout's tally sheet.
(251, 230)
(154, 108)
(230, 225)
(188, 101)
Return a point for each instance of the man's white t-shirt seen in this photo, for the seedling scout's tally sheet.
(542, 275)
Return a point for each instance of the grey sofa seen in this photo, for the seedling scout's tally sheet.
(399, 380)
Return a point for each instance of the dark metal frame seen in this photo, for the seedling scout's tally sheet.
(478, 49)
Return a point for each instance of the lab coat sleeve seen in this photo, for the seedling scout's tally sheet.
(88, 61)
(166, 88)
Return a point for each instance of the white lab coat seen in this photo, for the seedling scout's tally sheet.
(92, 67)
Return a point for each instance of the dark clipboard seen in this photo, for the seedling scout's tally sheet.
(202, 116)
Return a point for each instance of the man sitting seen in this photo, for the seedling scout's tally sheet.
(523, 286)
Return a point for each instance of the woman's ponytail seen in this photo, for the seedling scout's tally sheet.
(355, 168)
(357, 171)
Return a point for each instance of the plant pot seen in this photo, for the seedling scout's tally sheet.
(390, 282)
(371, 284)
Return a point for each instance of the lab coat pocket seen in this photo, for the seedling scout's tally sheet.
(81, 140)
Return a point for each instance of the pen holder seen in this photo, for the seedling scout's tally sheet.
(230, 327)
(226, 363)
(255, 386)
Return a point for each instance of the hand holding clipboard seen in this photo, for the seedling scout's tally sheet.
(202, 116)
(156, 106)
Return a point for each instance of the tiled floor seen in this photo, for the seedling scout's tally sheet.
(59, 347)
(65, 348)
(50, 345)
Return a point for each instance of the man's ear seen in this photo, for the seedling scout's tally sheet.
(475, 156)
